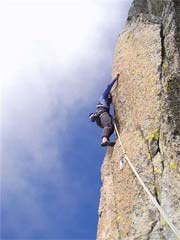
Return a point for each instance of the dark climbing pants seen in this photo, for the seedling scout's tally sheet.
(106, 122)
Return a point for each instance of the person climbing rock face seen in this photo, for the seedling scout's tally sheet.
(102, 116)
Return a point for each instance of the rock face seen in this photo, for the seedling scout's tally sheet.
(147, 112)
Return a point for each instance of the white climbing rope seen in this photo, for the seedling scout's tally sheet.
(162, 212)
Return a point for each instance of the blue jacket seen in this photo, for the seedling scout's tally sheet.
(104, 101)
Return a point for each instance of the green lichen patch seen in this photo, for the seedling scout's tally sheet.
(163, 222)
(154, 135)
(172, 165)
(158, 171)
(153, 142)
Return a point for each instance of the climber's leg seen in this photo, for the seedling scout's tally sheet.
(107, 124)
(108, 128)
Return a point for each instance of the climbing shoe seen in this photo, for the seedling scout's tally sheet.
(107, 143)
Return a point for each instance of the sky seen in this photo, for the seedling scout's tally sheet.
(56, 59)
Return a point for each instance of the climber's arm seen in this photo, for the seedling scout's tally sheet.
(108, 89)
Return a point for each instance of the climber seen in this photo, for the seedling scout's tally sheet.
(102, 115)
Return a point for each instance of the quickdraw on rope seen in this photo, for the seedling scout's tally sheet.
(162, 212)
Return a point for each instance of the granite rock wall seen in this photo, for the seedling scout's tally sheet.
(146, 103)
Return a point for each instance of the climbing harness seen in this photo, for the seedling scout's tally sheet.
(162, 212)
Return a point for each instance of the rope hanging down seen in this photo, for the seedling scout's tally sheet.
(162, 212)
